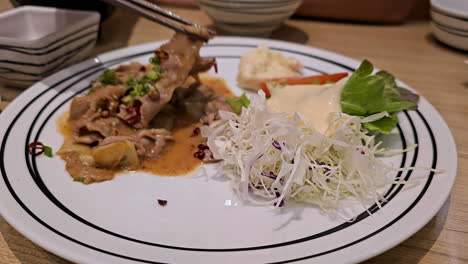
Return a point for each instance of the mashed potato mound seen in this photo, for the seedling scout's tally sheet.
(261, 65)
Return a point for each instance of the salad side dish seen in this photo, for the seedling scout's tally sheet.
(311, 142)
(306, 138)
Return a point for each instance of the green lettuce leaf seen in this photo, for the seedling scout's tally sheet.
(365, 94)
(237, 104)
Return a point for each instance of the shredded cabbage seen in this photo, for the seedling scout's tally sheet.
(273, 157)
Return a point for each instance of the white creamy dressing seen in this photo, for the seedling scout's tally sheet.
(313, 103)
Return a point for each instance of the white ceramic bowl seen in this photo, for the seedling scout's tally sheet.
(249, 17)
(38, 41)
(450, 22)
(452, 37)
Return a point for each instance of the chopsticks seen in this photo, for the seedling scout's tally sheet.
(154, 12)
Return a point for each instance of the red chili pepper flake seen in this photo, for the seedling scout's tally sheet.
(215, 65)
(195, 132)
(36, 145)
(42, 149)
(133, 115)
(162, 202)
(202, 146)
(199, 154)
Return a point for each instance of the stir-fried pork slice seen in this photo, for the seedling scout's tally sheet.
(202, 65)
(199, 31)
(106, 98)
(192, 99)
(134, 70)
(200, 101)
(178, 57)
(148, 142)
(92, 130)
(165, 119)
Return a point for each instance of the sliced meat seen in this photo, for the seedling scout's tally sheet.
(148, 142)
(202, 65)
(130, 114)
(90, 131)
(149, 106)
(165, 119)
(105, 98)
(199, 31)
(193, 99)
(178, 58)
(135, 70)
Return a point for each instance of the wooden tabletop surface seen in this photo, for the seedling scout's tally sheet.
(409, 51)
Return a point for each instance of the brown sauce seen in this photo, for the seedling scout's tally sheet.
(177, 157)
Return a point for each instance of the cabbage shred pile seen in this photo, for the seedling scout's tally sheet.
(274, 157)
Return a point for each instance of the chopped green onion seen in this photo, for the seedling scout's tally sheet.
(48, 151)
(108, 77)
(153, 75)
(316, 81)
(155, 61)
(144, 84)
(78, 179)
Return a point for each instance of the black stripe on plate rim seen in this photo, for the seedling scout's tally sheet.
(38, 179)
(63, 61)
(53, 48)
(52, 43)
(34, 171)
(237, 57)
(91, 41)
(2, 149)
(20, 202)
(450, 30)
(54, 111)
(442, 12)
(348, 68)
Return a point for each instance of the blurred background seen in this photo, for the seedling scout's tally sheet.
(372, 11)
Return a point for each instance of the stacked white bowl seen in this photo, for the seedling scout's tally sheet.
(38, 41)
(450, 22)
(249, 17)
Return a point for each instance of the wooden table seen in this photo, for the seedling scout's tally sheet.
(409, 51)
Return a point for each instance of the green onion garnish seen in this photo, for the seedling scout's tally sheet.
(146, 83)
(48, 151)
(108, 77)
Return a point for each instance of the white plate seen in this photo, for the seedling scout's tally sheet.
(119, 221)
